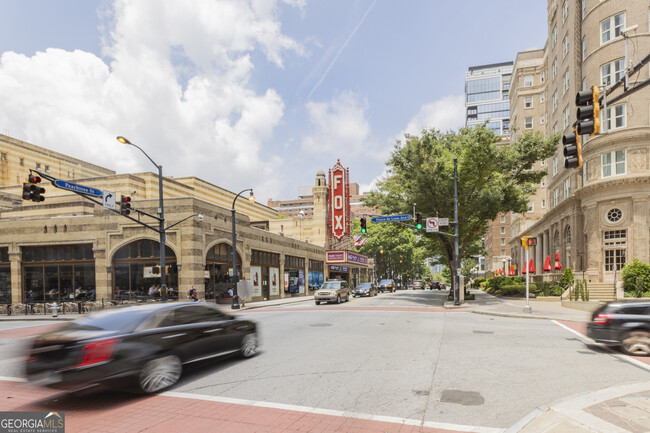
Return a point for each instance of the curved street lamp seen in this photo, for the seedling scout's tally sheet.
(161, 219)
(235, 298)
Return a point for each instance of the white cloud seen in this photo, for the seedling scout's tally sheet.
(443, 114)
(177, 85)
(340, 126)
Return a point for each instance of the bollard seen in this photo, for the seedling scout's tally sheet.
(8, 309)
(55, 310)
(79, 308)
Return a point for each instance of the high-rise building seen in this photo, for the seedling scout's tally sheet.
(486, 96)
(594, 218)
(487, 90)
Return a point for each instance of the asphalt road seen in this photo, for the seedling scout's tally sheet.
(401, 355)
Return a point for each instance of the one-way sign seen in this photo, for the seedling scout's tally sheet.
(387, 219)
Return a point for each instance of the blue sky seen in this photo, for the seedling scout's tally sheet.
(258, 93)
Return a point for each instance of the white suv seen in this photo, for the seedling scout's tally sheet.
(333, 291)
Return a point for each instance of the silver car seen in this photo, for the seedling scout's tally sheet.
(333, 291)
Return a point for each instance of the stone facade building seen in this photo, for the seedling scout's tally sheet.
(69, 247)
(595, 217)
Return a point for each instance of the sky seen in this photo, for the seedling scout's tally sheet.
(247, 93)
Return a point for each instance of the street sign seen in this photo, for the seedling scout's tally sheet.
(387, 219)
(443, 222)
(78, 188)
(432, 224)
(109, 199)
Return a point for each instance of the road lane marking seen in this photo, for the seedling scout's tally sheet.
(332, 412)
(611, 351)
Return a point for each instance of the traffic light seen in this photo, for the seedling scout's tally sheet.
(528, 242)
(572, 150)
(588, 111)
(418, 220)
(363, 225)
(31, 190)
(125, 205)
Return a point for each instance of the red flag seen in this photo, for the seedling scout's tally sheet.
(531, 266)
(547, 264)
(558, 265)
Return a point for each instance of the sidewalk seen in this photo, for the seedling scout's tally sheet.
(76, 315)
(514, 307)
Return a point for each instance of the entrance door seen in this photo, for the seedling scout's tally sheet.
(265, 283)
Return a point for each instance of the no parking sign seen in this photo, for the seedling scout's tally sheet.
(432, 224)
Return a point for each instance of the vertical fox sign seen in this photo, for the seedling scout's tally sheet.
(339, 202)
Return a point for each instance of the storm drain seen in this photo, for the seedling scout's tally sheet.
(466, 398)
(320, 325)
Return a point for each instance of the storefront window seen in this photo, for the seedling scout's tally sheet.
(218, 271)
(265, 271)
(52, 273)
(5, 277)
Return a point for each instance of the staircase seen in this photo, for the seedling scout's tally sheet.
(601, 291)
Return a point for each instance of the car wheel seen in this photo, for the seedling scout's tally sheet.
(338, 299)
(159, 374)
(317, 302)
(636, 343)
(249, 345)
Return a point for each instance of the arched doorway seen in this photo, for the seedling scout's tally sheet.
(218, 271)
(134, 275)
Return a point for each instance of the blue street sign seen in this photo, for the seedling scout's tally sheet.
(78, 188)
(387, 219)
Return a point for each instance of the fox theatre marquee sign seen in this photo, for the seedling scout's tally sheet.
(339, 202)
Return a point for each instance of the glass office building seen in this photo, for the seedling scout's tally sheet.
(487, 90)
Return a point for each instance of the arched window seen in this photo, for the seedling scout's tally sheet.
(556, 241)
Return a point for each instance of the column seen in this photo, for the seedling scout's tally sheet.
(539, 255)
(282, 293)
(15, 259)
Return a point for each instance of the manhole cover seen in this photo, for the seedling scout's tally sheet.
(320, 325)
(483, 332)
(466, 398)
(421, 392)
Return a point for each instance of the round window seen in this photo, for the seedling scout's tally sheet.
(614, 215)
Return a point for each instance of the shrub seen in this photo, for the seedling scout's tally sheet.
(631, 274)
(567, 277)
(477, 282)
(516, 289)
(548, 288)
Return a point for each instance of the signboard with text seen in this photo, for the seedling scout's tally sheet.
(339, 202)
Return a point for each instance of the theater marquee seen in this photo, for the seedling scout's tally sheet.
(339, 202)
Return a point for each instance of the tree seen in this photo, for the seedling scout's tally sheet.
(493, 178)
(401, 257)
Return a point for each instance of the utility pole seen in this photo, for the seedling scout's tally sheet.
(456, 253)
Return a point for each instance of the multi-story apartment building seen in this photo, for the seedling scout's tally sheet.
(487, 90)
(596, 218)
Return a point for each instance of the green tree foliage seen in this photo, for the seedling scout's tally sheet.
(401, 257)
(492, 178)
(567, 277)
(636, 278)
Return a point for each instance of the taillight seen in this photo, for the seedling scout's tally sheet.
(96, 352)
(603, 318)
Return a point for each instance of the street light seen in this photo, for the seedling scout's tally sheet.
(161, 219)
(235, 299)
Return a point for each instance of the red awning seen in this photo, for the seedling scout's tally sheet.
(531, 266)
(523, 269)
(558, 265)
(547, 264)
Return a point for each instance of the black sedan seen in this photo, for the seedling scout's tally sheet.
(624, 324)
(144, 347)
(365, 289)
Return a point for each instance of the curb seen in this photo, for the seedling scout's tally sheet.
(521, 316)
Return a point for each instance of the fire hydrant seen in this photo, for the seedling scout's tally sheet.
(55, 310)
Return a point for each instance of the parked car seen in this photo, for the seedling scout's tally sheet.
(365, 289)
(387, 285)
(624, 324)
(333, 291)
(142, 347)
(435, 285)
(418, 285)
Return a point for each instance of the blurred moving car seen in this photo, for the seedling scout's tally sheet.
(387, 285)
(333, 291)
(418, 285)
(624, 324)
(365, 289)
(142, 347)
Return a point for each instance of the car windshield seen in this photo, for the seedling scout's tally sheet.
(331, 285)
(112, 320)
(364, 286)
(386, 282)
